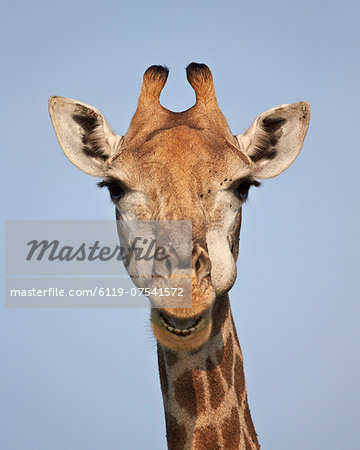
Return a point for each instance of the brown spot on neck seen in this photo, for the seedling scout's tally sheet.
(216, 390)
(239, 379)
(230, 430)
(227, 362)
(206, 438)
(185, 394)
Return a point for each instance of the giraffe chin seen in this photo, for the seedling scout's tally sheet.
(185, 328)
(180, 339)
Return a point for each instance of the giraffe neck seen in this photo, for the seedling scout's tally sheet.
(204, 391)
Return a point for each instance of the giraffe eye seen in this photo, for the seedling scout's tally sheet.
(242, 191)
(115, 190)
(241, 187)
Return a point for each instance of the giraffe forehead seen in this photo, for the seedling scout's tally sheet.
(182, 156)
(182, 144)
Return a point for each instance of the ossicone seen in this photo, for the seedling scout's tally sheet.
(153, 83)
(201, 80)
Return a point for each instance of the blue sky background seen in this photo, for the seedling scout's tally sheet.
(86, 379)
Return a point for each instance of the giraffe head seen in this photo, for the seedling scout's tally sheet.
(183, 166)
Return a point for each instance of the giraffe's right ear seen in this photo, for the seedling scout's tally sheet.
(83, 134)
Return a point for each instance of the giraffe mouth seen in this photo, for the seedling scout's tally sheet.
(195, 325)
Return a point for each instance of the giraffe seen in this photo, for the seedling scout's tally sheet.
(189, 166)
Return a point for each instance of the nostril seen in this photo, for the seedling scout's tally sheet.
(201, 262)
(197, 266)
(168, 265)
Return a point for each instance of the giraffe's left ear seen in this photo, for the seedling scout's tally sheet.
(275, 138)
(83, 134)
